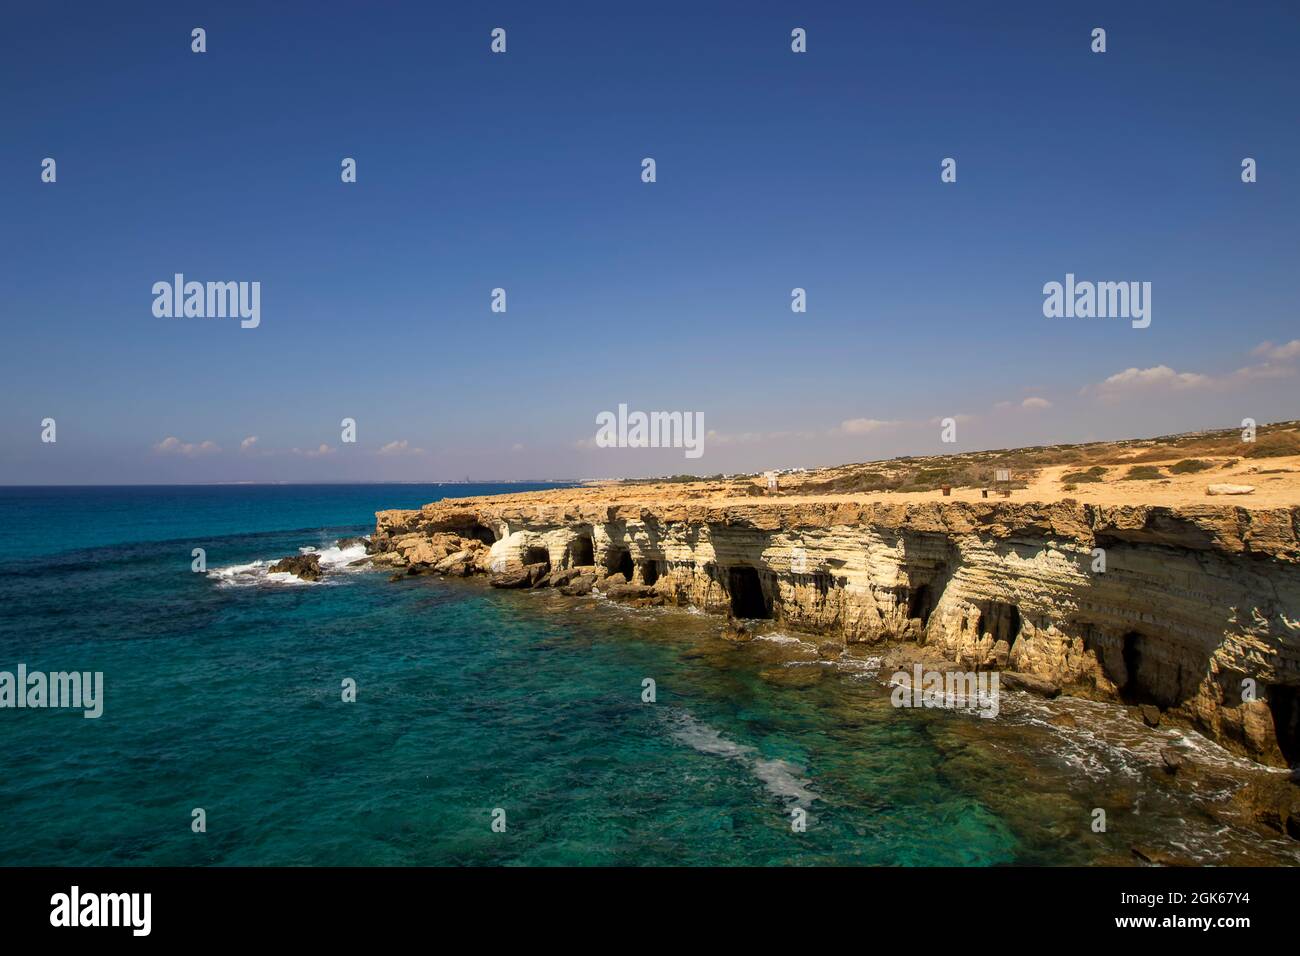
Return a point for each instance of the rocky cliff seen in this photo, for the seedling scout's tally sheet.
(1194, 610)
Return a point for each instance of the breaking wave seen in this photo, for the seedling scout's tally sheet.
(333, 561)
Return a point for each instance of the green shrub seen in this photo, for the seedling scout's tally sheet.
(1092, 475)
(1143, 473)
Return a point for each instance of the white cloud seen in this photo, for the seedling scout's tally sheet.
(171, 445)
(248, 443)
(741, 438)
(1157, 378)
(1255, 373)
(319, 452)
(1278, 353)
(1161, 378)
(863, 426)
(402, 447)
(1034, 401)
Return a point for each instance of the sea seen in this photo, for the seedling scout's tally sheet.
(250, 718)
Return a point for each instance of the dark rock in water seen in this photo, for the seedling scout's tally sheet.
(525, 577)
(1150, 715)
(510, 579)
(458, 565)
(1270, 801)
(906, 656)
(1150, 854)
(1063, 720)
(830, 650)
(628, 592)
(614, 580)
(655, 600)
(736, 632)
(398, 576)
(345, 543)
(559, 579)
(1035, 685)
(579, 586)
(305, 566)
(1172, 759)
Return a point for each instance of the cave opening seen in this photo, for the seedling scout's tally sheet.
(481, 532)
(536, 555)
(919, 603)
(649, 572)
(999, 619)
(582, 552)
(1134, 689)
(1284, 703)
(746, 592)
(619, 561)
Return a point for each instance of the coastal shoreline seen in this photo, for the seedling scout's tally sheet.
(999, 585)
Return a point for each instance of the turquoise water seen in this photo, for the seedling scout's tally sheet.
(222, 691)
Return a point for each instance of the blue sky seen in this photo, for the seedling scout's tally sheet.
(775, 170)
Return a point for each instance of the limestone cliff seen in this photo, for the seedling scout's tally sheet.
(1195, 610)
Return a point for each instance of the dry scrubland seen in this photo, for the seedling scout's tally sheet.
(1173, 470)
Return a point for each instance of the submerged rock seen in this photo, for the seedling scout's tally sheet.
(807, 675)
(736, 631)
(305, 566)
(1271, 801)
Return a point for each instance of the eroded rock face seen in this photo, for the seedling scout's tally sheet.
(1194, 611)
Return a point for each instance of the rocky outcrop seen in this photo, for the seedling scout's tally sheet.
(1229, 489)
(305, 566)
(1193, 611)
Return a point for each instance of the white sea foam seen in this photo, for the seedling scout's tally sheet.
(1105, 739)
(781, 778)
(333, 561)
(338, 559)
(784, 779)
(776, 637)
